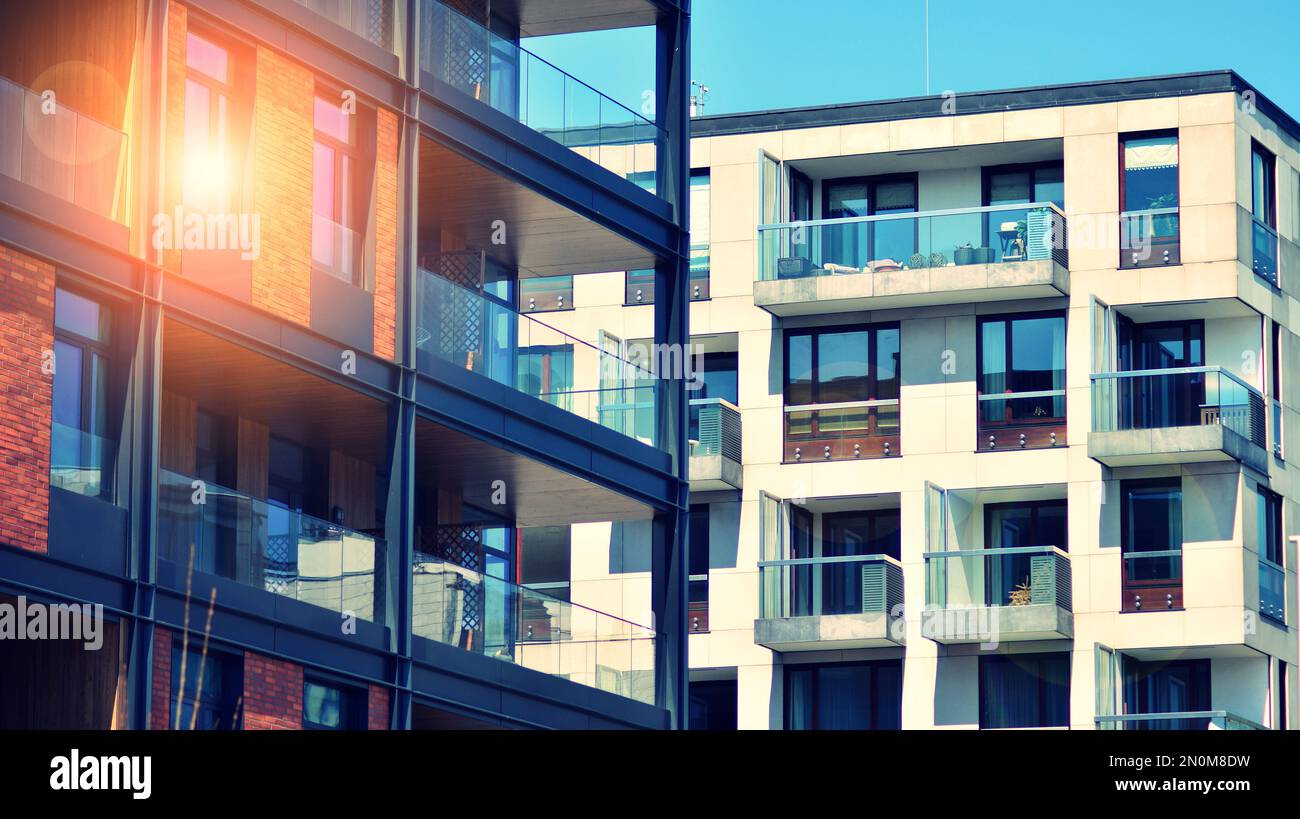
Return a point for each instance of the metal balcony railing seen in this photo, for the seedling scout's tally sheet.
(913, 241)
(1014, 576)
(371, 19)
(816, 586)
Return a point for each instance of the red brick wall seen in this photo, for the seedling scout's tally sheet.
(387, 140)
(283, 132)
(26, 333)
(272, 694)
(377, 710)
(160, 708)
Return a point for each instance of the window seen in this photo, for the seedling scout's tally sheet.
(1275, 383)
(1024, 690)
(1148, 190)
(718, 378)
(713, 705)
(1167, 399)
(213, 685)
(1151, 533)
(701, 201)
(81, 447)
(544, 569)
(847, 534)
(210, 180)
(697, 599)
(1269, 525)
(1008, 185)
(1167, 687)
(854, 369)
(330, 707)
(339, 189)
(1270, 544)
(1263, 198)
(1015, 525)
(882, 244)
(1022, 379)
(545, 294)
(546, 371)
(844, 696)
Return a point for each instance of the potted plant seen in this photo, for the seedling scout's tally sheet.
(964, 254)
(916, 260)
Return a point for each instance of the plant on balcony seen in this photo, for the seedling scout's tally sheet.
(937, 259)
(1021, 595)
(916, 260)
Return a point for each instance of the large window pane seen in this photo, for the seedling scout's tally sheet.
(1025, 690)
(842, 367)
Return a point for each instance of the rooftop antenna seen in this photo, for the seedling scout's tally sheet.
(927, 48)
(698, 98)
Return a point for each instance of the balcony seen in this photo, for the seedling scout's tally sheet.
(496, 71)
(715, 445)
(476, 333)
(998, 595)
(471, 610)
(372, 20)
(1178, 415)
(820, 603)
(913, 259)
(1178, 721)
(1149, 238)
(845, 431)
(63, 153)
(222, 532)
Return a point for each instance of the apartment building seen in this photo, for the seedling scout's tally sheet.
(271, 394)
(992, 411)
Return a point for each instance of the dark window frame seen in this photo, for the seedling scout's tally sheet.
(872, 182)
(1010, 319)
(873, 382)
(1032, 168)
(1174, 246)
(875, 666)
(353, 704)
(1127, 486)
(1044, 688)
(353, 211)
(231, 670)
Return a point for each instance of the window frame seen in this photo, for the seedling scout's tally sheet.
(1127, 486)
(875, 667)
(1009, 424)
(1039, 658)
(1174, 246)
(231, 671)
(873, 381)
(350, 209)
(353, 705)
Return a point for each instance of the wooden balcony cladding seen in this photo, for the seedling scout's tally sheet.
(842, 432)
(1167, 596)
(1001, 437)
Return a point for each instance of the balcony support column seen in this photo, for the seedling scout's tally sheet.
(672, 334)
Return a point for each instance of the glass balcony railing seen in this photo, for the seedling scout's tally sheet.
(496, 71)
(81, 462)
(912, 241)
(488, 337)
(715, 428)
(491, 616)
(335, 249)
(1277, 428)
(817, 586)
(267, 546)
(1152, 579)
(371, 19)
(843, 431)
(1149, 238)
(1177, 397)
(1272, 591)
(1016, 576)
(1178, 721)
(1263, 244)
(64, 153)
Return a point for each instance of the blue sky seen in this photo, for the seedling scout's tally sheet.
(758, 54)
